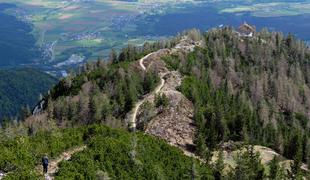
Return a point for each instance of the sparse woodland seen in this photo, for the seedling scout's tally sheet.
(102, 92)
(254, 90)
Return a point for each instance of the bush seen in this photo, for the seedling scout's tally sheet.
(122, 155)
(161, 100)
(117, 153)
(22, 154)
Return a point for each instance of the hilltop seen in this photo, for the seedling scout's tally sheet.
(204, 105)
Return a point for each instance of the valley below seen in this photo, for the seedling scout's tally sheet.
(66, 34)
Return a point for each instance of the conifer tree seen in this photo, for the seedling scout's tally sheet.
(219, 166)
(113, 56)
(296, 164)
(249, 165)
(274, 168)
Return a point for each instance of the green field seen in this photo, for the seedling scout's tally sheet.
(272, 9)
(75, 25)
(95, 27)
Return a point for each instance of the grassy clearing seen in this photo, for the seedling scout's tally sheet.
(271, 9)
(90, 42)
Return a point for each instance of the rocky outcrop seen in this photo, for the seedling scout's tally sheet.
(39, 107)
(175, 123)
(232, 149)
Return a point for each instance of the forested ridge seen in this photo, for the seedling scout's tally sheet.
(21, 89)
(254, 90)
(245, 91)
(10, 40)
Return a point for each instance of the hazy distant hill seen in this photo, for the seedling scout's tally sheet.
(21, 87)
(17, 44)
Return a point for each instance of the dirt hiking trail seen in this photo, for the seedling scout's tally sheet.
(53, 164)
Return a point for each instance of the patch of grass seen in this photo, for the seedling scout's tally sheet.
(272, 9)
(90, 42)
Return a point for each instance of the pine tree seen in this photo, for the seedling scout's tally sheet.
(95, 107)
(194, 172)
(274, 168)
(202, 150)
(123, 55)
(296, 164)
(25, 112)
(50, 108)
(249, 165)
(161, 100)
(113, 56)
(146, 48)
(219, 166)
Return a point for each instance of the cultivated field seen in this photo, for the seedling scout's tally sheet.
(62, 27)
(92, 27)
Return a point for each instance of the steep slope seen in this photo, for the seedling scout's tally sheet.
(109, 152)
(16, 47)
(250, 90)
(215, 96)
(173, 123)
(131, 156)
(22, 87)
(53, 165)
(225, 111)
(21, 156)
(132, 116)
(103, 92)
(137, 145)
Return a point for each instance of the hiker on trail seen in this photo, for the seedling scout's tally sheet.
(45, 164)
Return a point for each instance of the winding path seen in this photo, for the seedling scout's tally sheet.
(53, 165)
(142, 59)
(181, 45)
(139, 103)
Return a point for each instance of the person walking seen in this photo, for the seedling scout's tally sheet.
(45, 164)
